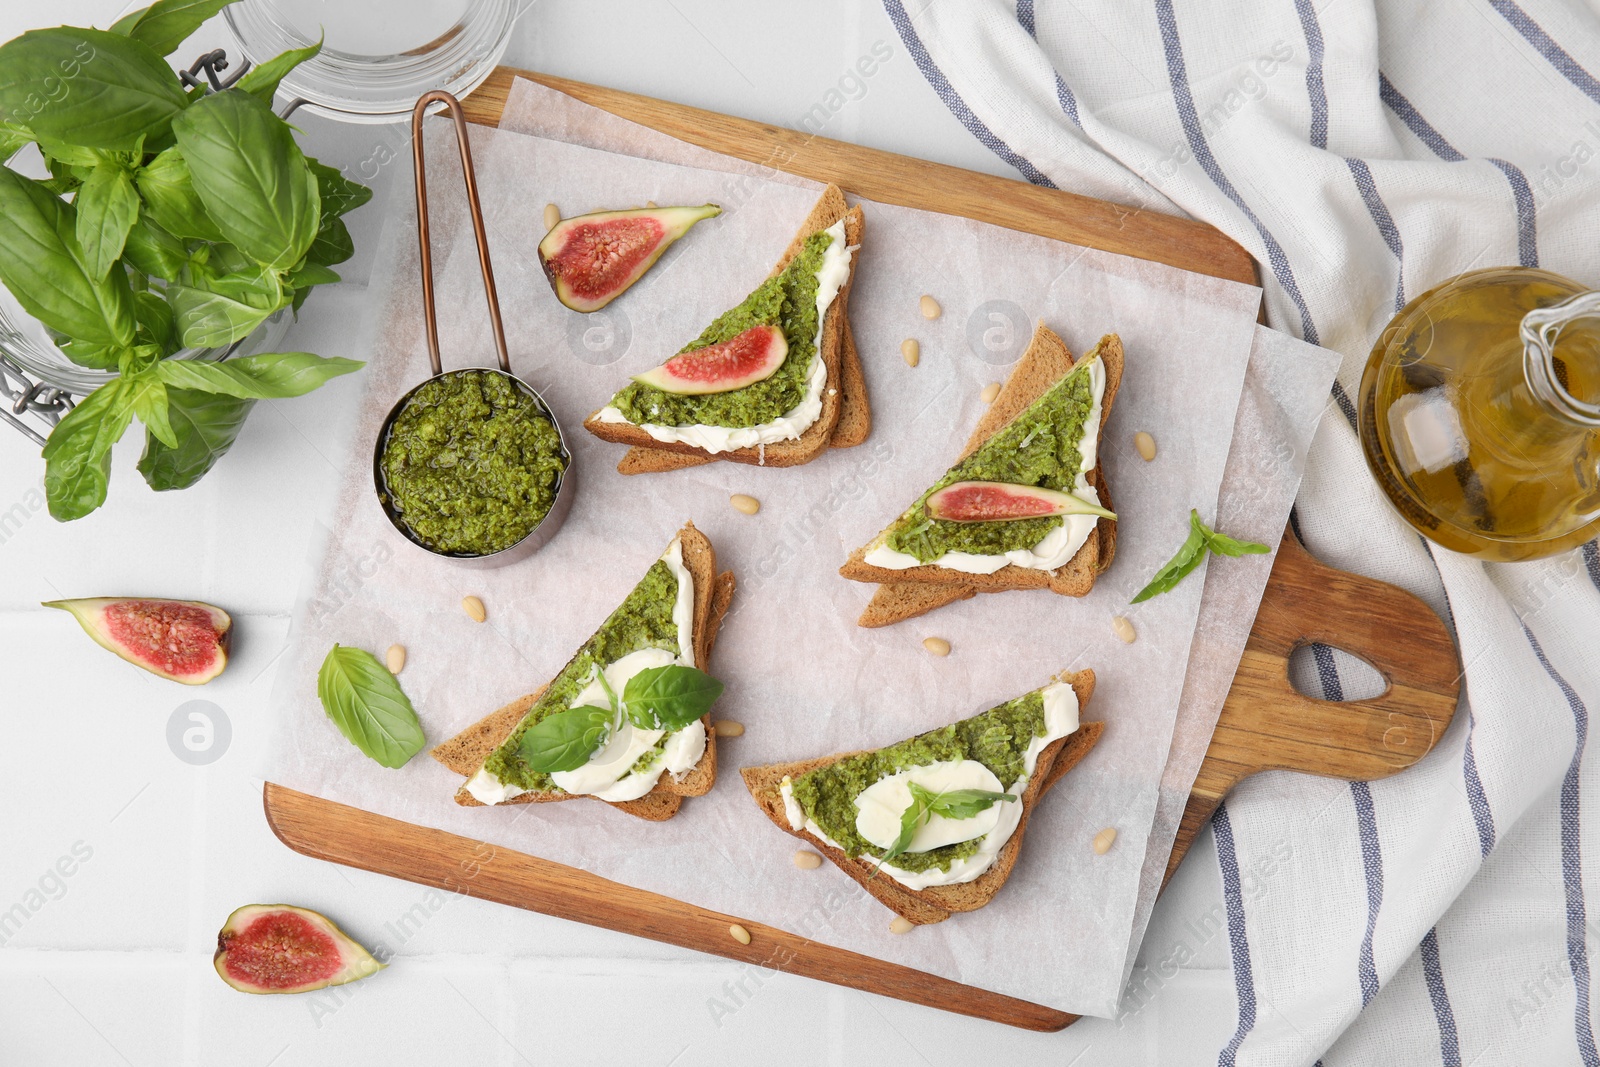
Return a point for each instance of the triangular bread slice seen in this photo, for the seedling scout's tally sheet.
(936, 903)
(1043, 364)
(829, 209)
(713, 593)
(855, 422)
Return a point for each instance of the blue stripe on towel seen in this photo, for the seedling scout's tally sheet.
(952, 99)
(1069, 103)
(1557, 56)
(1449, 1044)
(1477, 800)
(1372, 864)
(1183, 98)
(1385, 223)
(1314, 87)
(1591, 558)
(1572, 860)
(1521, 194)
(1233, 899)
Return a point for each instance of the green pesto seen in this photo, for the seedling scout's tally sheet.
(996, 738)
(654, 753)
(1039, 447)
(471, 464)
(643, 620)
(788, 301)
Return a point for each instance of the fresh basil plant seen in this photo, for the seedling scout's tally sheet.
(172, 218)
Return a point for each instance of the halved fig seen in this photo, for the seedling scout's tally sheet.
(1004, 502)
(592, 259)
(184, 640)
(279, 948)
(741, 360)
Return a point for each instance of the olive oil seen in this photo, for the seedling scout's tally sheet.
(1479, 416)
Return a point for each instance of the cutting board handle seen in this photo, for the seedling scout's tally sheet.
(1267, 724)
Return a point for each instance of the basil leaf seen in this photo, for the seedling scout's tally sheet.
(154, 251)
(168, 23)
(564, 741)
(67, 155)
(1223, 545)
(669, 698)
(333, 244)
(156, 321)
(958, 803)
(107, 206)
(147, 396)
(261, 80)
(169, 197)
(211, 320)
(1179, 566)
(368, 706)
(311, 274)
(78, 454)
(126, 23)
(87, 87)
(340, 195)
(267, 376)
(251, 177)
(41, 263)
(205, 426)
(13, 139)
(91, 354)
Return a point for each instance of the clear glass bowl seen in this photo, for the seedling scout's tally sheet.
(378, 56)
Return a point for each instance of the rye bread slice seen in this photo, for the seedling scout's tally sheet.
(936, 903)
(713, 593)
(1044, 363)
(830, 208)
(855, 422)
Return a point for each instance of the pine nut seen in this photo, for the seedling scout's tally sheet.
(728, 728)
(930, 307)
(739, 934)
(807, 861)
(552, 216)
(912, 351)
(747, 504)
(474, 607)
(1123, 629)
(937, 645)
(1146, 445)
(1104, 840)
(900, 925)
(991, 391)
(651, 204)
(395, 658)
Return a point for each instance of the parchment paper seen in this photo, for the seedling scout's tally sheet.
(800, 674)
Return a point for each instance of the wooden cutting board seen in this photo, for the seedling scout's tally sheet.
(1266, 724)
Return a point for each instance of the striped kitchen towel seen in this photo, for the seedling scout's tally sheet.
(1363, 151)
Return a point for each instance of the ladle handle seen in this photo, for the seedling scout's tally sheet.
(454, 107)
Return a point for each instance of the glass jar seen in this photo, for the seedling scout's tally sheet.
(1480, 413)
(378, 56)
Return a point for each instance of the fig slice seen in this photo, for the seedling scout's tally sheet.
(592, 259)
(1004, 502)
(184, 640)
(743, 359)
(279, 948)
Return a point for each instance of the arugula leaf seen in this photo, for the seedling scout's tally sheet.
(42, 264)
(78, 454)
(271, 375)
(168, 23)
(910, 819)
(88, 87)
(564, 741)
(261, 80)
(368, 706)
(340, 195)
(251, 177)
(152, 250)
(107, 207)
(669, 698)
(170, 200)
(205, 426)
(1202, 539)
(958, 803)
